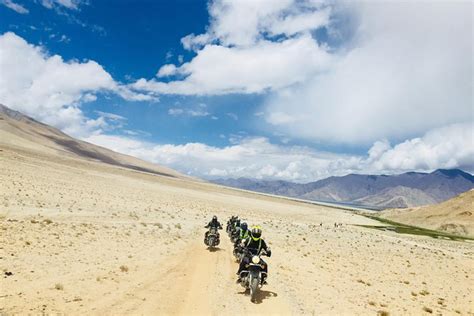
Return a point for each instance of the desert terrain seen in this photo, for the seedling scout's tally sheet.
(79, 235)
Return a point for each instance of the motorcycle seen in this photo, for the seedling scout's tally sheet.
(251, 278)
(238, 252)
(234, 237)
(229, 228)
(212, 239)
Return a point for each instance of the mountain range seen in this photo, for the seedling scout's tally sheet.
(378, 191)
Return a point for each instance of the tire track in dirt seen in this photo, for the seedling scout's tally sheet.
(198, 281)
(211, 288)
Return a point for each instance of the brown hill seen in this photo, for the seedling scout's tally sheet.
(454, 216)
(20, 132)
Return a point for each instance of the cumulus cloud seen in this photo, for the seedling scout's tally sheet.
(257, 157)
(250, 47)
(251, 157)
(244, 23)
(220, 70)
(409, 70)
(18, 8)
(51, 89)
(395, 71)
(166, 70)
(447, 147)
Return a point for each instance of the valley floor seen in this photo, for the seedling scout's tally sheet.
(80, 237)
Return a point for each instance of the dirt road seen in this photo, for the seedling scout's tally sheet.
(197, 281)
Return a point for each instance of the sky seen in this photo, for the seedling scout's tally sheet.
(295, 90)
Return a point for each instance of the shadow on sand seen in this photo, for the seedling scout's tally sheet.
(261, 295)
(214, 249)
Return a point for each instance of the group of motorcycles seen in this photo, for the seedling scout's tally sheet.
(252, 277)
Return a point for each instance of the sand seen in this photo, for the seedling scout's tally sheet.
(83, 237)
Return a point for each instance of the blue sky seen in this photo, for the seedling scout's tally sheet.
(282, 89)
(98, 32)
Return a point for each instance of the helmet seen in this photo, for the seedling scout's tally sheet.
(244, 226)
(214, 218)
(256, 232)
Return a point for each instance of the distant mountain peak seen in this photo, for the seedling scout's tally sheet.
(452, 173)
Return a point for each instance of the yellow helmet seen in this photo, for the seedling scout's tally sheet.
(256, 232)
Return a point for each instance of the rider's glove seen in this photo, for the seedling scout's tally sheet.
(269, 252)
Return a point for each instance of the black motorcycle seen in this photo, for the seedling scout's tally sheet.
(252, 276)
(238, 252)
(234, 237)
(229, 228)
(212, 238)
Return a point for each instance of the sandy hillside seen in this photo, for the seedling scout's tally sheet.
(21, 132)
(80, 236)
(454, 216)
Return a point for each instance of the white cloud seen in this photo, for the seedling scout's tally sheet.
(252, 157)
(111, 116)
(219, 70)
(18, 8)
(447, 147)
(194, 42)
(244, 23)
(69, 4)
(256, 157)
(175, 111)
(235, 56)
(409, 70)
(405, 68)
(199, 111)
(302, 22)
(51, 89)
(166, 70)
(280, 118)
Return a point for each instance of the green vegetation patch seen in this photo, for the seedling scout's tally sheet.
(411, 230)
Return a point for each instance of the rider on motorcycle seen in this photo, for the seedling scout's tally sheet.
(230, 223)
(214, 223)
(234, 233)
(253, 246)
(236, 224)
(243, 232)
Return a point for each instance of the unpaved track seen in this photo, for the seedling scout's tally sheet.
(197, 281)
